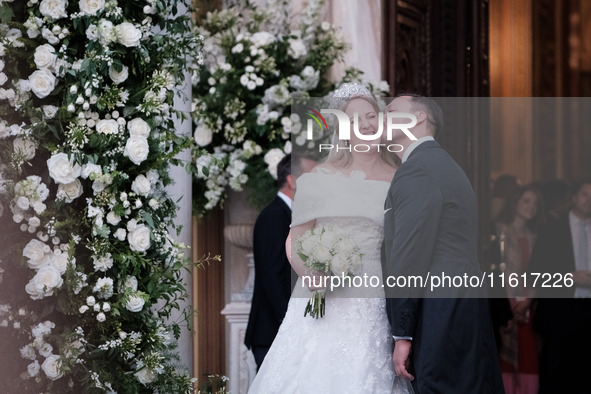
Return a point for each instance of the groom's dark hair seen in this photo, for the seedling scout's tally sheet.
(283, 170)
(431, 108)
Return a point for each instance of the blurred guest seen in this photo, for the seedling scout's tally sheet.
(503, 188)
(517, 226)
(272, 281)
(557, 198)
(563, 312)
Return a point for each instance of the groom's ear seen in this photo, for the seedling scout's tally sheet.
(421, 116)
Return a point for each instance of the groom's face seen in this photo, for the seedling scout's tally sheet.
(399, 104)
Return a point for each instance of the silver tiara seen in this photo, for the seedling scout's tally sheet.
(350, 90)
(346, 92)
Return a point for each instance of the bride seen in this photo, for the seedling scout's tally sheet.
(348, 350)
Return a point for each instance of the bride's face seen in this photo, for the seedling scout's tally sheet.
(367, 120)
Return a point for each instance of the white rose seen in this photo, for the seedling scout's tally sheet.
(45, 56)
(107, 126)
(137, 149)
(120, 234)
(60, 262)
(92, 33)
(35, 250)
(70, 191)
(55, 9)
(43, 283)
(90, 300)
(24, 147)
(146, 375)
(83, 308)
(128, 34)
(322, 254)
(89, 168)
(106, 31)
(203, 135)
(297, 48)
(130, 284)
(141, 185)
(138, 128)
(62, 169)
(113, 218)
(23, 203)
(35, 221)
(49, 111)
(118, 76)
(308, 245)
(272, 158)
(51, 367)
(329, 238)
(139, 239)
(339, 265)
(101, 317)
(33, 369)
(135, 303)
(91, 7)
(345, 247)
(3, 78)
(42, 83)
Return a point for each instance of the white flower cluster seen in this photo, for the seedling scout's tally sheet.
(84, 159)
(29, 193)
(49, 265)
(51, 366)
(255, 62)
(329, 250)
(225, 167)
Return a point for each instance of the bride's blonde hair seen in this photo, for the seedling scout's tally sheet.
(341, 157)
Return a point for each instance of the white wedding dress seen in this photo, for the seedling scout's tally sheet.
(349, 350)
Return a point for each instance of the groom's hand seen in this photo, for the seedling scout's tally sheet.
(401, 358)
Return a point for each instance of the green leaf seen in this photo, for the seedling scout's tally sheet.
(148, 219)
(6, 13)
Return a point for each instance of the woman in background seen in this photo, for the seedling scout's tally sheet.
(516, 228)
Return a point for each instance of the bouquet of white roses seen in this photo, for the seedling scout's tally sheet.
(331, 251)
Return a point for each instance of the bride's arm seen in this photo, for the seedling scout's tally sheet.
(295, 260)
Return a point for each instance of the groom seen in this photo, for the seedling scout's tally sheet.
(443, 339)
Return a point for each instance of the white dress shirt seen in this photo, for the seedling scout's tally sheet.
(286, 199)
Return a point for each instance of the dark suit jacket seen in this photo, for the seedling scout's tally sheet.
(430, 226)
(557, 313)
(563, 323)
(272, 281)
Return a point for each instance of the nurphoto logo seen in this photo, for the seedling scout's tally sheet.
(344, 129)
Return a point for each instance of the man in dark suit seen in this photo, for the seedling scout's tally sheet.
(563, 314)
(430, 226)
(272, 281)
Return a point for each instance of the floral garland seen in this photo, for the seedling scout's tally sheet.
(254, 64)
(86, 139)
